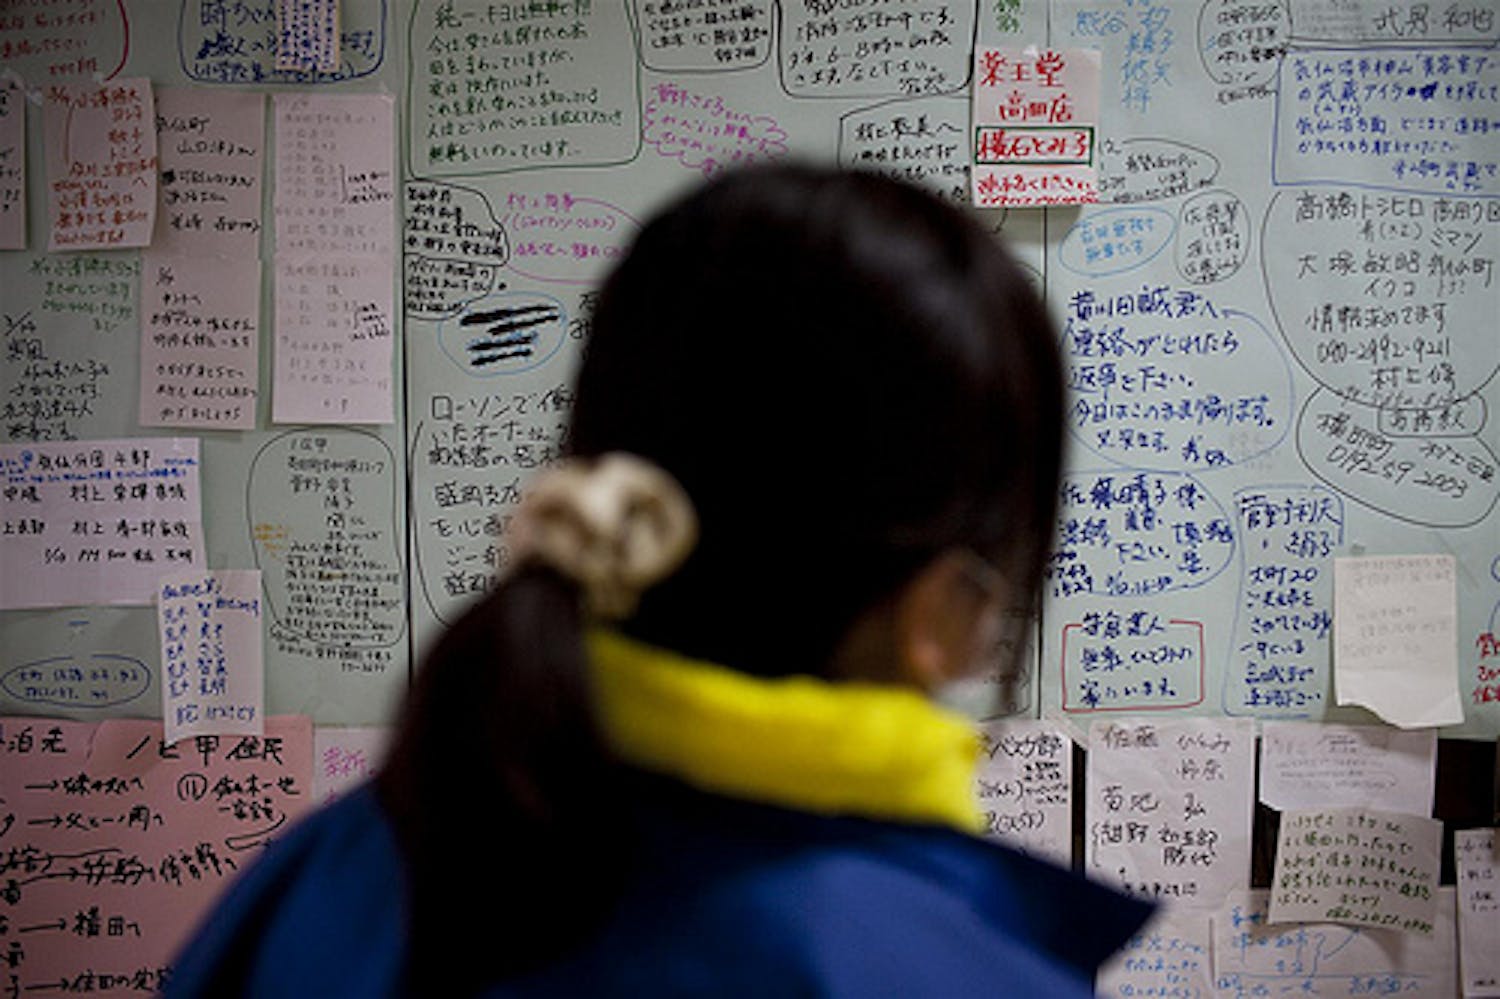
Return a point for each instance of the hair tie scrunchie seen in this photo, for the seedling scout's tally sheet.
(616, 525)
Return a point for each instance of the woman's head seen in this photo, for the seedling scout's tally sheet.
(850, 377)
(860, 393)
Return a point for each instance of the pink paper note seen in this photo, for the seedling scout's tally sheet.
(113, 845)
(101, 165)
(200, 341)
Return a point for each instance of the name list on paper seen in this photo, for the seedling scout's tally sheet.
(101, 165)
(213, 672)
(212, 147)
(96, 522)
(1035, 114)
(120, 842)
(1478, 869)
(1395, 633)
(1169, 804)
(1025, 787)
(1355, 865)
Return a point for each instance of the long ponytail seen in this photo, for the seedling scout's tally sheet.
(493, 782)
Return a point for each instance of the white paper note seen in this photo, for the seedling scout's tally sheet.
(12, 166)
(101, 164)
(1025, 787)
(213, 670)
(1359, 866)
(345, 756)
(96, 522)
(335, 175)
(334, 341)
(1304, 765)
(212, 147)
(1254, 958)
(1168, 808)
(1034, 115)
(1478, 871)
(1395, 629)
(307, 35)
(200, 355)
(1168, 957)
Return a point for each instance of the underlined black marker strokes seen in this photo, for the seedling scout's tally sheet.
(507, 332)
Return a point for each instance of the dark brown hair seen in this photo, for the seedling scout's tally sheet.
(849, 377)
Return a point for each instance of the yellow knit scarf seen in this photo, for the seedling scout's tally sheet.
(798, 742)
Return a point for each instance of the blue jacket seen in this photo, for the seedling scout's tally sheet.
(728, 899)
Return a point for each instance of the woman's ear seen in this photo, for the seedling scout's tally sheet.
(937, 622)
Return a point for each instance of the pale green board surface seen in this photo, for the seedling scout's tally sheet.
(548, 162)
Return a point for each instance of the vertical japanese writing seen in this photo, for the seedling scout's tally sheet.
(1168, 808)
(1486, 688)
(1355, 865)
(884, 48)
(101, 165)
(1025, 787)
(323, 525)
(703, 132)
(1143, 32)
(922, 140)
(334, 341)
(1279, 666)
(237, 41)
(199, 342)
(1478, 876)
(307, 35)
